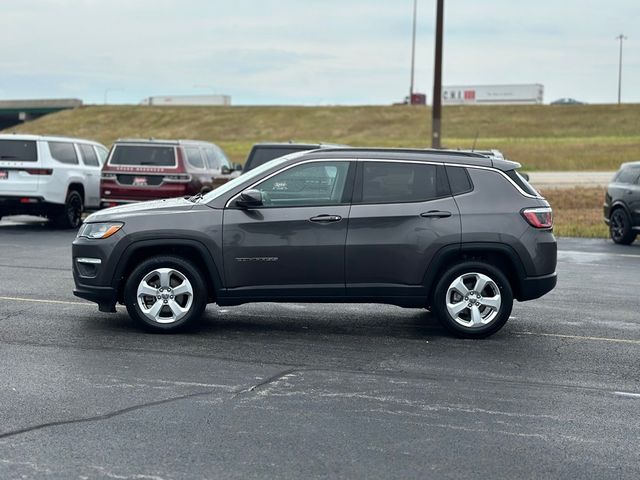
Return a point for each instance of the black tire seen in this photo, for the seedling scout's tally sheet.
(70, 215)
(182, 267)
(620, 228)
(439, 300)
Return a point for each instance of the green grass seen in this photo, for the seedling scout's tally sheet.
(541, 137)
(577, 212)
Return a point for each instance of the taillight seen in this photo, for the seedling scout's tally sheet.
(39, 171)
(108, 176)
(541, 217)
(178, 178)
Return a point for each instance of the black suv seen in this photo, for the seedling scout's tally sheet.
(459, 233)
(622, 204)
(262, 153)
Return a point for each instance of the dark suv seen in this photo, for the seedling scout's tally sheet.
(622, 204)
(262, 153)
(459, 233)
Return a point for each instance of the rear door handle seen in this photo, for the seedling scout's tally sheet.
(435, 214)
(325, 218)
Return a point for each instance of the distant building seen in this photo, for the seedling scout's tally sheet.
(529, 94)
(187, 100)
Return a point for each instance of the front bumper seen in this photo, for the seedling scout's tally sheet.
(535, 287)
(105, 297)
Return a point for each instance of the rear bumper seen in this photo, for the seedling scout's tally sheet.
(26, 205)
(535, 287)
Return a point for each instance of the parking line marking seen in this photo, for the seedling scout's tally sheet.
(37, 300)
(627, 394)
(578, 337)
(598, 254)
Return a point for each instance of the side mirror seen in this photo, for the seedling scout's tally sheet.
(238, 167)
(224, 170)
(250, 199)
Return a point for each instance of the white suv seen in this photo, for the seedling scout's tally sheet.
(53, 177)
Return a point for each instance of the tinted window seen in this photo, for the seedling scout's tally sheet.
(194, 158)
(628, 175)
(521, 182)
(18, 150)
(317, 183)
(63, 152)
(396, 182)
(89, 156)
(261, 155)
(143, 155)
(459, 180)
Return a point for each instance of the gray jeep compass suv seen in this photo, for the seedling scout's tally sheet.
(459, 233)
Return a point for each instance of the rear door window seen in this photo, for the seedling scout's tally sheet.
(398, 182)
(194, 158)
(143, 155)
(18, 150)
(89, 156)
(628, 175)
(63, 152)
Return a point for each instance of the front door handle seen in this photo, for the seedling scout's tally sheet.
(325, 218)
(435, 214)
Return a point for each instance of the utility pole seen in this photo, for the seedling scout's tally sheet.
(622, 38)
(436, 116)
(413, 50)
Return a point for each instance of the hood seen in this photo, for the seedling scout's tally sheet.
(168, 205)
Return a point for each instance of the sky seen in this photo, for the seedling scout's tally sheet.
(311, 52)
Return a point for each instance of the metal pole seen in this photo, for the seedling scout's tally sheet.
(436, 117)
(413, 50)
(620, 37)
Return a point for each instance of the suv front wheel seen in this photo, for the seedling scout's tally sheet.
(165, 293)
(473, 300)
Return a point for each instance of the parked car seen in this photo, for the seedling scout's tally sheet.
(622, 204)
(567, 101)
(139, 170)
(458, 233)
(262, 153)
(53, 177)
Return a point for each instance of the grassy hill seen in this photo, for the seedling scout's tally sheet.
(541, 137)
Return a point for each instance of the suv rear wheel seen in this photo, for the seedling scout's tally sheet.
(165, 293)
(70, 215)
(473, 300)
(620, 228)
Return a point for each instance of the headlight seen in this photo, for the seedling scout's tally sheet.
(99, 230)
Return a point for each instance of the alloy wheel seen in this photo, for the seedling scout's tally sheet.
(164, 295)
(473, 300)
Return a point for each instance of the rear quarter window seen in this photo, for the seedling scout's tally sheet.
(143, 155)
(63, 152)
(459, 180)
(522, 183)
(18, 150)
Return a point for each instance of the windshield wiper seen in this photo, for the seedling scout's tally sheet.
(6, 157)
(196, 197)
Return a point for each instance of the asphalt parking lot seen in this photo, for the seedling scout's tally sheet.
(326, 391)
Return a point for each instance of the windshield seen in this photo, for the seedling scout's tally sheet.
(248, 177)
